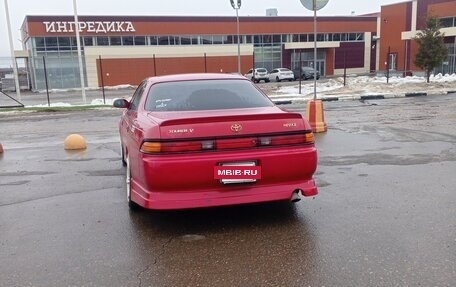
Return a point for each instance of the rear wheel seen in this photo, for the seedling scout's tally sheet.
(266, 81)
(132, 205)
(122, 155)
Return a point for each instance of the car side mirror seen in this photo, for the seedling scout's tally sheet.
(121, 103)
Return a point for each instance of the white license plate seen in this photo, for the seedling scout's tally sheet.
(238, 180)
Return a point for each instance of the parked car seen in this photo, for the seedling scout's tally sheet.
(281, 74)
(305, 73)
(257, 75)
(199, 140)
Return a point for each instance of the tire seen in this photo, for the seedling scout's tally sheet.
(277, 79)
(132, 205)
(266, 81)
(122, 155)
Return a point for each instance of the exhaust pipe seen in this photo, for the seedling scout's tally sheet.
(295, 197)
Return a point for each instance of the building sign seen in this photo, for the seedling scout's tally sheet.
(89, 26)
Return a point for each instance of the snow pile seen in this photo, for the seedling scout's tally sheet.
(365, 85)
(111, 88)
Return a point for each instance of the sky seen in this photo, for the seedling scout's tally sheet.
(18, 9)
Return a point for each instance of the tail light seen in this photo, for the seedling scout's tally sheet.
(156, 147)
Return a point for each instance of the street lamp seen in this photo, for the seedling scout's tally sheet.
(78, 44)
(315, 108)
(314, 5)
(13, 56)
(236, 6)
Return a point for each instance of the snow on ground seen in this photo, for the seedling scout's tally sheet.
(364, 85)
(96, 102)
(119, 87)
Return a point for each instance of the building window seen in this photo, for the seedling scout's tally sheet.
(116, 41)
(277, 39)
(216, 40)
(64, 42)
(88, 41)
(163, 40)
(127, 41)
(267, 39)
(153, 40)
(194, 40)
(206, 40)
(447, 22)
(140, 41)
(103, 41)
(39, 44)
(393, 61)
(174, 40)
(51, 43)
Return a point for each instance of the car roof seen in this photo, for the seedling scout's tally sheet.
(195, 76)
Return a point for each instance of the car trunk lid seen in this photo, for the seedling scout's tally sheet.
(214, 124)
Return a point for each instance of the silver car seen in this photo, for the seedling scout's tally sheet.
(257, 75)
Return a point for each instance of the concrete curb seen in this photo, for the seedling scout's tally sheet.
(417, 94)
(372, 97)
(284, 102)
(385, 96)
(330, 99)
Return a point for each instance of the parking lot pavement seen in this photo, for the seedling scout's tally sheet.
(384, 216)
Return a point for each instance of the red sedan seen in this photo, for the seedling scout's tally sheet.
(200, 140)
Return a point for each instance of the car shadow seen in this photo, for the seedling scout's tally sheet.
(194, 221)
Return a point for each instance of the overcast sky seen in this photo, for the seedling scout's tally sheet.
(18, 9)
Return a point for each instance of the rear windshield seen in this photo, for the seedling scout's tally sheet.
(205, 95)
(261, 70)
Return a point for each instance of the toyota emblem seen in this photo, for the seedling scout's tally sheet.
(236, 128)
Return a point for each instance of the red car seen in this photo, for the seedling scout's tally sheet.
(200, 140)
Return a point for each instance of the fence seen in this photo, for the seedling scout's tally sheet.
(54, 77)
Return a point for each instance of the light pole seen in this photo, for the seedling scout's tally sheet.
(236, 6)
(78, 43)
(13, 57)
(315, 107)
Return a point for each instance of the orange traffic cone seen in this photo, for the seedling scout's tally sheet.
(315, 116)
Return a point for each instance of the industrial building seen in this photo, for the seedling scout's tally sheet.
(125, 49)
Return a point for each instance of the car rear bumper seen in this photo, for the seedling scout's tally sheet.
(285, 77)
(228, 195)
(187, 181)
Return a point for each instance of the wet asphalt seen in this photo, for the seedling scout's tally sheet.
(385, 215)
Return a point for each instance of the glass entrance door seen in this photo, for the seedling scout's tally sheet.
(307, 60)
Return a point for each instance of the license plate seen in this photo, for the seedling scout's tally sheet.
(237, 172)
